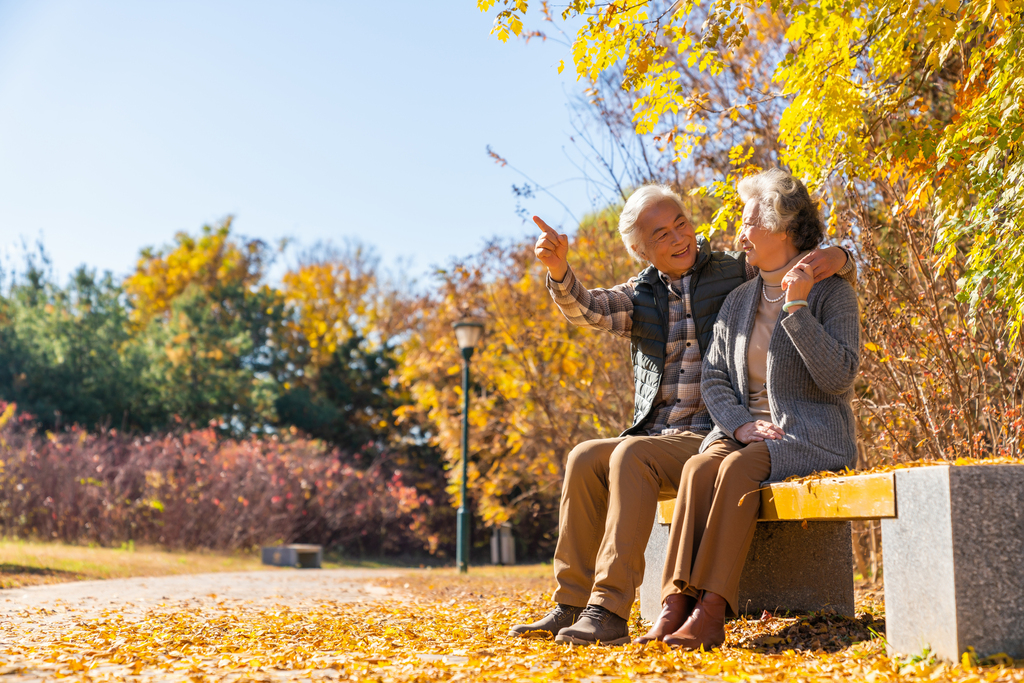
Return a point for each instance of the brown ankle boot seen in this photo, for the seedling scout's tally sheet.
(674, 613)
(705, 627)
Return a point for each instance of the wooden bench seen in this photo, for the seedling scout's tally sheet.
(953, 554)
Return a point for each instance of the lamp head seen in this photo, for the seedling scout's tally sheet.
(468, 333)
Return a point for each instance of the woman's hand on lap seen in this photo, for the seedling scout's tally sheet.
(758, 430)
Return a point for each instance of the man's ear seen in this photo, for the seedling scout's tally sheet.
(638, 252)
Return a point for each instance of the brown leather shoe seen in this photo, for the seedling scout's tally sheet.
(674, 612)
(597, 625)
(705, 627)
(550, 624)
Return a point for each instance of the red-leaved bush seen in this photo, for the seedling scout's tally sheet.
(195, 490)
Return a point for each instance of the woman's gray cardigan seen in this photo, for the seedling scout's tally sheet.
(813, 357)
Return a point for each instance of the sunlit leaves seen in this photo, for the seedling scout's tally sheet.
(539, 385)
(925, 95)
(640, 38)
(328, 300)
(212, 261)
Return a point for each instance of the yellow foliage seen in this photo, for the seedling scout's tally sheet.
(925, 96)
(328, 300)
(540, 385)
(7, 414)
(213, 262)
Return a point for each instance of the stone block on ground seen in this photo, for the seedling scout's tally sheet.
(503, 545)
(789, 568)
(654, 563)
(954, 561)
(301, 555)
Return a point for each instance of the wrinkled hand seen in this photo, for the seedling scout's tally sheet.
(825, 262)
(551, 250)
(798, 282)
(758, 430)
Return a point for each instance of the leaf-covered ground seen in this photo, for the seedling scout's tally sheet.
(438, 626)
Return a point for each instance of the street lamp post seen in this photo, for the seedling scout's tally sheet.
(468, 333)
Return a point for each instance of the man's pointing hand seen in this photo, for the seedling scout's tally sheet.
(551, 250)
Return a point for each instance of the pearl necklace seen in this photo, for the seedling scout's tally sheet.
(764, 292)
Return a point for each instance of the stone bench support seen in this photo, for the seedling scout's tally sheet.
(789, 568)
(953, 553)
(954, 561)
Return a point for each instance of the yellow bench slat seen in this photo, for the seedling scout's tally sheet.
(865, 496)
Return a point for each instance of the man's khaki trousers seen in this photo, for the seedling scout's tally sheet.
(609, 499)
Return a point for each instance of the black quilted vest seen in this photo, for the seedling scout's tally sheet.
(714, 275)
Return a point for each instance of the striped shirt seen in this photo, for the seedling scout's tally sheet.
(679, 406)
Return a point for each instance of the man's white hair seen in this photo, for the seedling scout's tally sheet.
(645, 197)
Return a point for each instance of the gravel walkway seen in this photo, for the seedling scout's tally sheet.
(257, 589)
(36, 615)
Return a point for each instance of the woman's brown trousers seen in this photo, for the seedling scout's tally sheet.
(711, 530)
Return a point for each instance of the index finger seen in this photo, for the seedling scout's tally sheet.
(545, 227)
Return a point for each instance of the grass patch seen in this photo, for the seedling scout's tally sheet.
(28, 563)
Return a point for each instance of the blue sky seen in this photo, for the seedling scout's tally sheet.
(122, 123)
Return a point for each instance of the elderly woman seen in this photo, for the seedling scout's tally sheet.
(778, 381)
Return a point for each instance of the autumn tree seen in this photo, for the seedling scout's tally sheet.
(334, 363)
(540, 386)
(205, 318)
(864, 83)
(215, 262)
(67, 355)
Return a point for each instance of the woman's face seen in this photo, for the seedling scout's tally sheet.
(765, 249)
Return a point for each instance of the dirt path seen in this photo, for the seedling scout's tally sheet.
(256, 589)
(35, 615)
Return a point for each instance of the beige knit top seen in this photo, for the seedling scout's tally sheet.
(764, 324)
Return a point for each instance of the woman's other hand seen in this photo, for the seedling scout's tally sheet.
(758, 430)
(551, 250)
(798, 282)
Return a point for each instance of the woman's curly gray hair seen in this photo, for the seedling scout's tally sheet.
(646, 196)
(784, 205)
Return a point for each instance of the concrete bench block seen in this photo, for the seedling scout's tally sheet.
(654, 563)
(797, 569)
(301, 555)
(954, 561)
(788, 568)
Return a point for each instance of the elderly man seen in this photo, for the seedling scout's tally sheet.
(612, 486)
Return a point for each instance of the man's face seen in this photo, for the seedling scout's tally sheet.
(668, 238)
